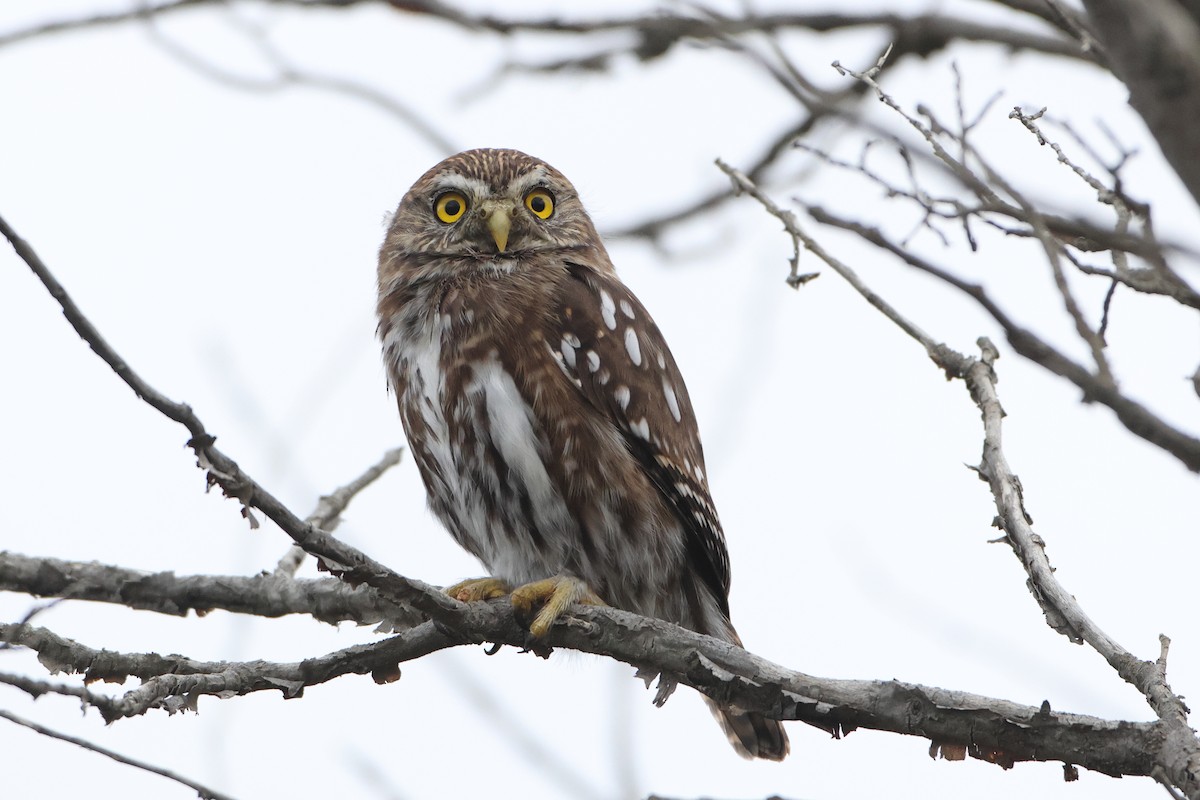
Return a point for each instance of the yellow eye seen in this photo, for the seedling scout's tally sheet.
(450, 207)
(540, 203)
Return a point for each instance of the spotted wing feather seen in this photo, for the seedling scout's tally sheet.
(609, 346)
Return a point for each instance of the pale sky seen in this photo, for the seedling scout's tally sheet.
(224, 241)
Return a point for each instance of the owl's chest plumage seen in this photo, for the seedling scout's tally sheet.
(521, 469)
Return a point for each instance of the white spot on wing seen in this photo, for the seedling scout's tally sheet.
(560, 358)
(622, 396)
(626, 308)
(672, 400)
(608, 310)
(568, 350)
(641, 428)
(593, 360)
(633, 347)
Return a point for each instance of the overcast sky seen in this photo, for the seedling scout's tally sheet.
(223, 238)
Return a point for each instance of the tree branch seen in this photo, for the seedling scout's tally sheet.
(264, 595)
(654, 34)
(991, 729)
(1154, 46)
(1180, 756)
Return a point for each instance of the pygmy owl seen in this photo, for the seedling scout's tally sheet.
(545, 413)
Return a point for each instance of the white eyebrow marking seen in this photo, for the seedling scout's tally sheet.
(593, 361)
(626, 308)
(641, 428)
(632, 347)
(622, 395)
(672, 400)
(525, 182)
(608, 310)
(468, 186)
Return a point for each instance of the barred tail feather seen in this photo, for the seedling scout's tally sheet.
(752, 735)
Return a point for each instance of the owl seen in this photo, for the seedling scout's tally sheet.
(547, 417)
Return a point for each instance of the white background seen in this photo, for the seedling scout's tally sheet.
(224, 241)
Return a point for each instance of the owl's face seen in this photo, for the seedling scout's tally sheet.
(487, 209)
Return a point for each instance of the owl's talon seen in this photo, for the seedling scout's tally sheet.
(474, 589)
(555, 595)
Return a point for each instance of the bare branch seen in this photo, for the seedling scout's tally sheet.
(1099, 387)
(288, 76)
(991, 729)
(1154, 47)
(348, 562)
(744, 184)
(1063, 612)
(654, 34)
(174, 683)
(203, 791)
(264, 595)
(329, 508)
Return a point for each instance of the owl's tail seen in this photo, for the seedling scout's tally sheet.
(752, 735)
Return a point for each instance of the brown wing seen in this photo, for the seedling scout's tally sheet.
(610, 348)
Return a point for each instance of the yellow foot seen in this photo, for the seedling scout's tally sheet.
(555, 595)
(469, 591)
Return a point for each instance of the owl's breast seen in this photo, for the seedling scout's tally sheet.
(482, 454)
(521, 468)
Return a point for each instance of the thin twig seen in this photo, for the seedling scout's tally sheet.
(200, 789)
(326, 515)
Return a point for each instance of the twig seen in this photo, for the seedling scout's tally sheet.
(200, 789)
(744, 184)
(326, 515)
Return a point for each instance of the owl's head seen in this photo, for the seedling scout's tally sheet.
(487, 207)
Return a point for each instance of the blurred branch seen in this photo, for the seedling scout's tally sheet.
(650, 36)
(1154, 47)
(654, 34)
(201, 790)
(288, 75)
(1180, 758)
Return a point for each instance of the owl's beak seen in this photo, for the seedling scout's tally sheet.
(499, 222)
